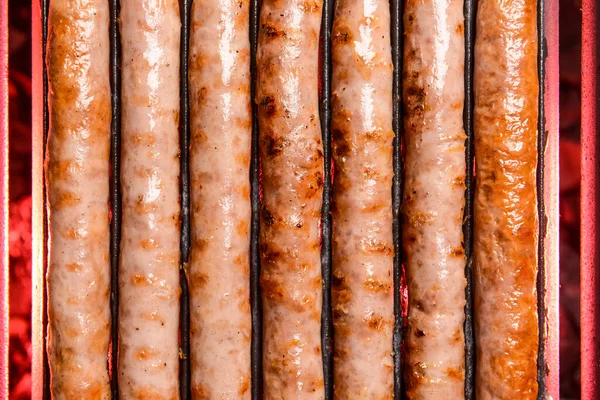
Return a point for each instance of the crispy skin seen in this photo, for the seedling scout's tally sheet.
(77, 183)
(506, 226)
(292, 179)
(221, 127)
(434, 198)
(363, 250)
(149, 265)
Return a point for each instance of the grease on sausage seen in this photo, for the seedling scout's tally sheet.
(434, 198)
(77, 182)
(291, 151)
(221, 125)
(149, 264)
(363, 250)
(505, 207)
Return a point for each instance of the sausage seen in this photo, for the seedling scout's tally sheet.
(149, 265)
(77, 182)
(363, 250)
(505, 206)
(221, 129)
(434, 198)
(291, 151)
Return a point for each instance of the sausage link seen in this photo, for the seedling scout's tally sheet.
(434, 198)
(505, 207)
(149, 265)
(291, 151)
(363, 250)
(221, 128)
(77, 180)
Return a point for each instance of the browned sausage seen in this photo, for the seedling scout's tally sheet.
(77, 181)
(292, 177)
(363, 250)
(434, 198)
(149, 264)
(506, 226)
(221, 125)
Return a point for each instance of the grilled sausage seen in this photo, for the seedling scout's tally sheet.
(434, 198)
(221, 125)
(149, 265)
(291, 151)
(77, 183)
(363, 250)
(505, 207)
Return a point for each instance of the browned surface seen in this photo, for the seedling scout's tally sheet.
(77, 184)
(434, 198)
(505, 247)
(219, 267)
(363, 251)
(292, 180)
(149, 260)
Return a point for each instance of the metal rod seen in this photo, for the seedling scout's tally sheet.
(470, 12)
(327, 342)
(184, 139)
(255, 299)
(540, 181)
(397, 43)
(550, 288)
(115, 190)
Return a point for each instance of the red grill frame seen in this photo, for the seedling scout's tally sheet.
(551, 196)
(590, 208)
(4, 200)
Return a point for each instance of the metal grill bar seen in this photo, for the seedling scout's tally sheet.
(397, 43)
(541, 147)
(115, 190)
(547, 275)
(470, 12)
(255, 299)
(326, 221)
(184, 135)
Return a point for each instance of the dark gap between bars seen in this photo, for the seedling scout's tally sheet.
(396, 8)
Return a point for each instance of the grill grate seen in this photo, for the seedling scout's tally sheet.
(115, 188)
(396, 8)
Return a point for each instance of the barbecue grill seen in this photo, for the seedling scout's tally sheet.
(547, 185)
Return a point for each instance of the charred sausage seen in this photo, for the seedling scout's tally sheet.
(434, 198)
(149, 264)
(505, 208)
(77, 182)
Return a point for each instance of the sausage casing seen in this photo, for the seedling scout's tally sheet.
(77, 182)
(434, 198)
(221, 128)
(149, 264)
(291, 151)
(363, 250)
(505, 207)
